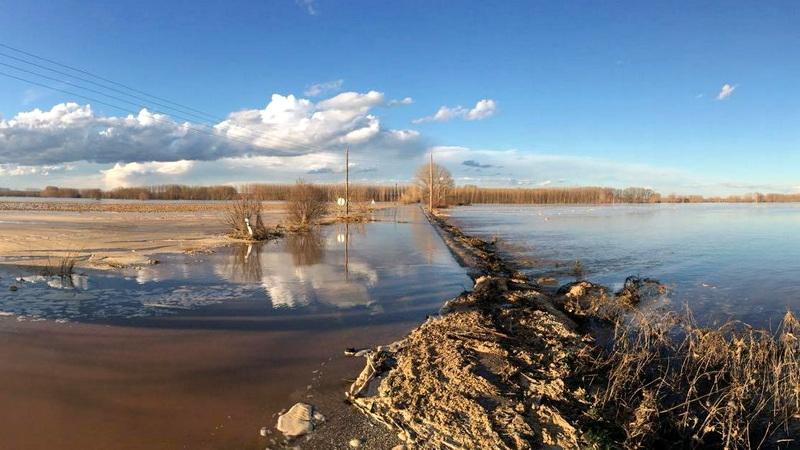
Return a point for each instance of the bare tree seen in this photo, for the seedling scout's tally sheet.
(435, 183)
(306, 204)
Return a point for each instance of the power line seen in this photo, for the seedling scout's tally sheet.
(243, 130)
(99, 78)
(251, 132)
(90, 82)
(199, 130)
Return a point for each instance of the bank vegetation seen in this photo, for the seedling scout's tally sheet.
(416, 192)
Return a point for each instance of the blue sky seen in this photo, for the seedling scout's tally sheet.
(683, 97)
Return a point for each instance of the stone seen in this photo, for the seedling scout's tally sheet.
(299, 420)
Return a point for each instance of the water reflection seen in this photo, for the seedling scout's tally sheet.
(302, 276)
(65, 282)
(363, 269)
(246, 263)
(306, 248)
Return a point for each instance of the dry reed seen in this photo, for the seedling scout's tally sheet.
(670, 382)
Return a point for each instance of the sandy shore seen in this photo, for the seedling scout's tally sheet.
(109, 235)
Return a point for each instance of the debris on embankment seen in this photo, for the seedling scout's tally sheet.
(491, 372)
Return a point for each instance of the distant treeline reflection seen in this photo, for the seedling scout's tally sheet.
(460, 195)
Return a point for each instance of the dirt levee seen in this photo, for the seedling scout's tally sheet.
(489, 373)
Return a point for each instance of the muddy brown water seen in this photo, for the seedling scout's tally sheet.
(201, 351)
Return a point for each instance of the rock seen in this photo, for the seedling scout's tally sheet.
(153, 261)
(355, 443)
(299, 420)
(264, 431)
(12, 288)
(547, 280)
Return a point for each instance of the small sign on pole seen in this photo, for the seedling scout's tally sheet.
(341, 201)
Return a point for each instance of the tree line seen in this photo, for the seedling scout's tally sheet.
(444, 193)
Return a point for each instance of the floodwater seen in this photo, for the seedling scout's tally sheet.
(201, 351)
(724, 260)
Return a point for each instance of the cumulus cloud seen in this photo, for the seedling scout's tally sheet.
(726, 91)
(69, 133)
(401, 101)
(133, 174)
(324, 88)
(483, 110)
(286, 126)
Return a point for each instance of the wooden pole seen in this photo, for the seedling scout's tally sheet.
(347, 183)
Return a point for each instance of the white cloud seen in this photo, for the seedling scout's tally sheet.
(13, 170)
(135, 174)
(726, 91)
(324, 88)
(516, 168)
(402, 101)
(483, 110)
(311, 8)
(286, 126)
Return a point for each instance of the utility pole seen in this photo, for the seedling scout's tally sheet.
(347, 183)
(430, 185)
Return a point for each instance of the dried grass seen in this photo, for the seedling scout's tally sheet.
(730, 387)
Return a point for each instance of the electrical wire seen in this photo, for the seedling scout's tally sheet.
(382, 159)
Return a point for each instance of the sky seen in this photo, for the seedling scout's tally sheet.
(682, 97)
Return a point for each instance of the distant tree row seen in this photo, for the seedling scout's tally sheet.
(464, 195)
(444, 193)
(160, 192)
(357, 192)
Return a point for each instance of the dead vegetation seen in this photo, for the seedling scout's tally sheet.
(504, 367)
(306, 204)
(63, 267)
(360, 207)
(243, 219)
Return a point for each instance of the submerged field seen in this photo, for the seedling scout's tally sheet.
(167, 327)
(723, 260)
(206, 346)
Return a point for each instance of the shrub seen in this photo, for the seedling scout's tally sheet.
(306, 204)
(243, 212)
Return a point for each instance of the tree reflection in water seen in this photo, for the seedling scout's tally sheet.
(307, 248)
(246, 263)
